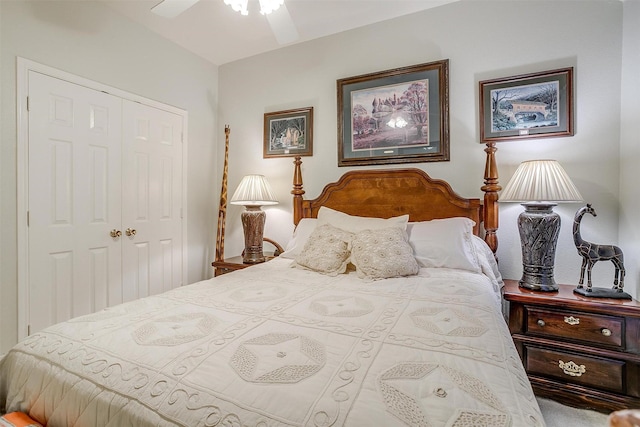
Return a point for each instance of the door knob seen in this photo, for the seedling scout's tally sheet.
(115, 233)
(130, 231)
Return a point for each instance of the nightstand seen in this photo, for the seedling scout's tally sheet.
(583, 352)
(234, 263)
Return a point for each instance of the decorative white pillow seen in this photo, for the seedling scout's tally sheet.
(326, 251)
(383, 253)
(444, 243)
(354, 223)
(300, 236)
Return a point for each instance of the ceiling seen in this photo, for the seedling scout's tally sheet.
(215, 32)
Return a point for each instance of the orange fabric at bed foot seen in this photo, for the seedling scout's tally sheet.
(625, 418)
(18, 419)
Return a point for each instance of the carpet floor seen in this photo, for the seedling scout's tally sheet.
(557, 415)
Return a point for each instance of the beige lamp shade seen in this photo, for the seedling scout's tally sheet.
(540, 181)
(254, 190)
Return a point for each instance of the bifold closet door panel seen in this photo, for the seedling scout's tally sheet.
(152, 200)
(74, 200)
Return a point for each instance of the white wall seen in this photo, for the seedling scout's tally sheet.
(482, 40)
(92, 41)
(629, 232)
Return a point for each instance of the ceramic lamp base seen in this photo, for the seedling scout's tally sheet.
(253, 219)
(539, 227)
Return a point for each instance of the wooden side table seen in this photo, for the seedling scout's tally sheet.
(228, 265)
(580, 351)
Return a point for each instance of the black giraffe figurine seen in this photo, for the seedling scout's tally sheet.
(592, 253)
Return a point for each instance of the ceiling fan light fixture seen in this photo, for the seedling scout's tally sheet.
(238, 6)
(268, 6)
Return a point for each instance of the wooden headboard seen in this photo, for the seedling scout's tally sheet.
(394, 192)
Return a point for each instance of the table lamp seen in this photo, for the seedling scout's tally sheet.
(254, 191)
(538, 185)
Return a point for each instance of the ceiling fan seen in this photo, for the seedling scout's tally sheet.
(275, 11)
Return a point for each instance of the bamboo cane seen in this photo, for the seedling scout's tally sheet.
(222, 210)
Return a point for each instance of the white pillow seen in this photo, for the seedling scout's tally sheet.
(444, 243)
(383, 253)
(354, 224)
(327, 251)
(300, 236)
(488, 263)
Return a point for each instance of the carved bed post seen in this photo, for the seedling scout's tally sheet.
(491, 188)
(297, 191)
(222, 210)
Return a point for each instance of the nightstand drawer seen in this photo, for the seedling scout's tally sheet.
(591, 328)
(601, 373)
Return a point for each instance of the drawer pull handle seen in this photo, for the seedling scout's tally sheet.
(571, 368)
(606, 332)
(541, 322)
(571, 320)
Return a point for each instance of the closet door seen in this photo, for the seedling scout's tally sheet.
(152, 200)
(104, 200)
(74, 200)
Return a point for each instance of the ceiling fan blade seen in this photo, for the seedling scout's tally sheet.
(282, 25)
(172, 8)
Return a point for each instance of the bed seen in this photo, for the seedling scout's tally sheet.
(283, 345)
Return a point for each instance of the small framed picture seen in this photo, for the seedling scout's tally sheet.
(527, 106)
(288, 133)
(394, 116)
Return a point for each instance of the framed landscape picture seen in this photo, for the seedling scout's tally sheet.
(394, 116)
(288, 133)
(527, 106)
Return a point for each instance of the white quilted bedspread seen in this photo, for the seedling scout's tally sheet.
(277, 346)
